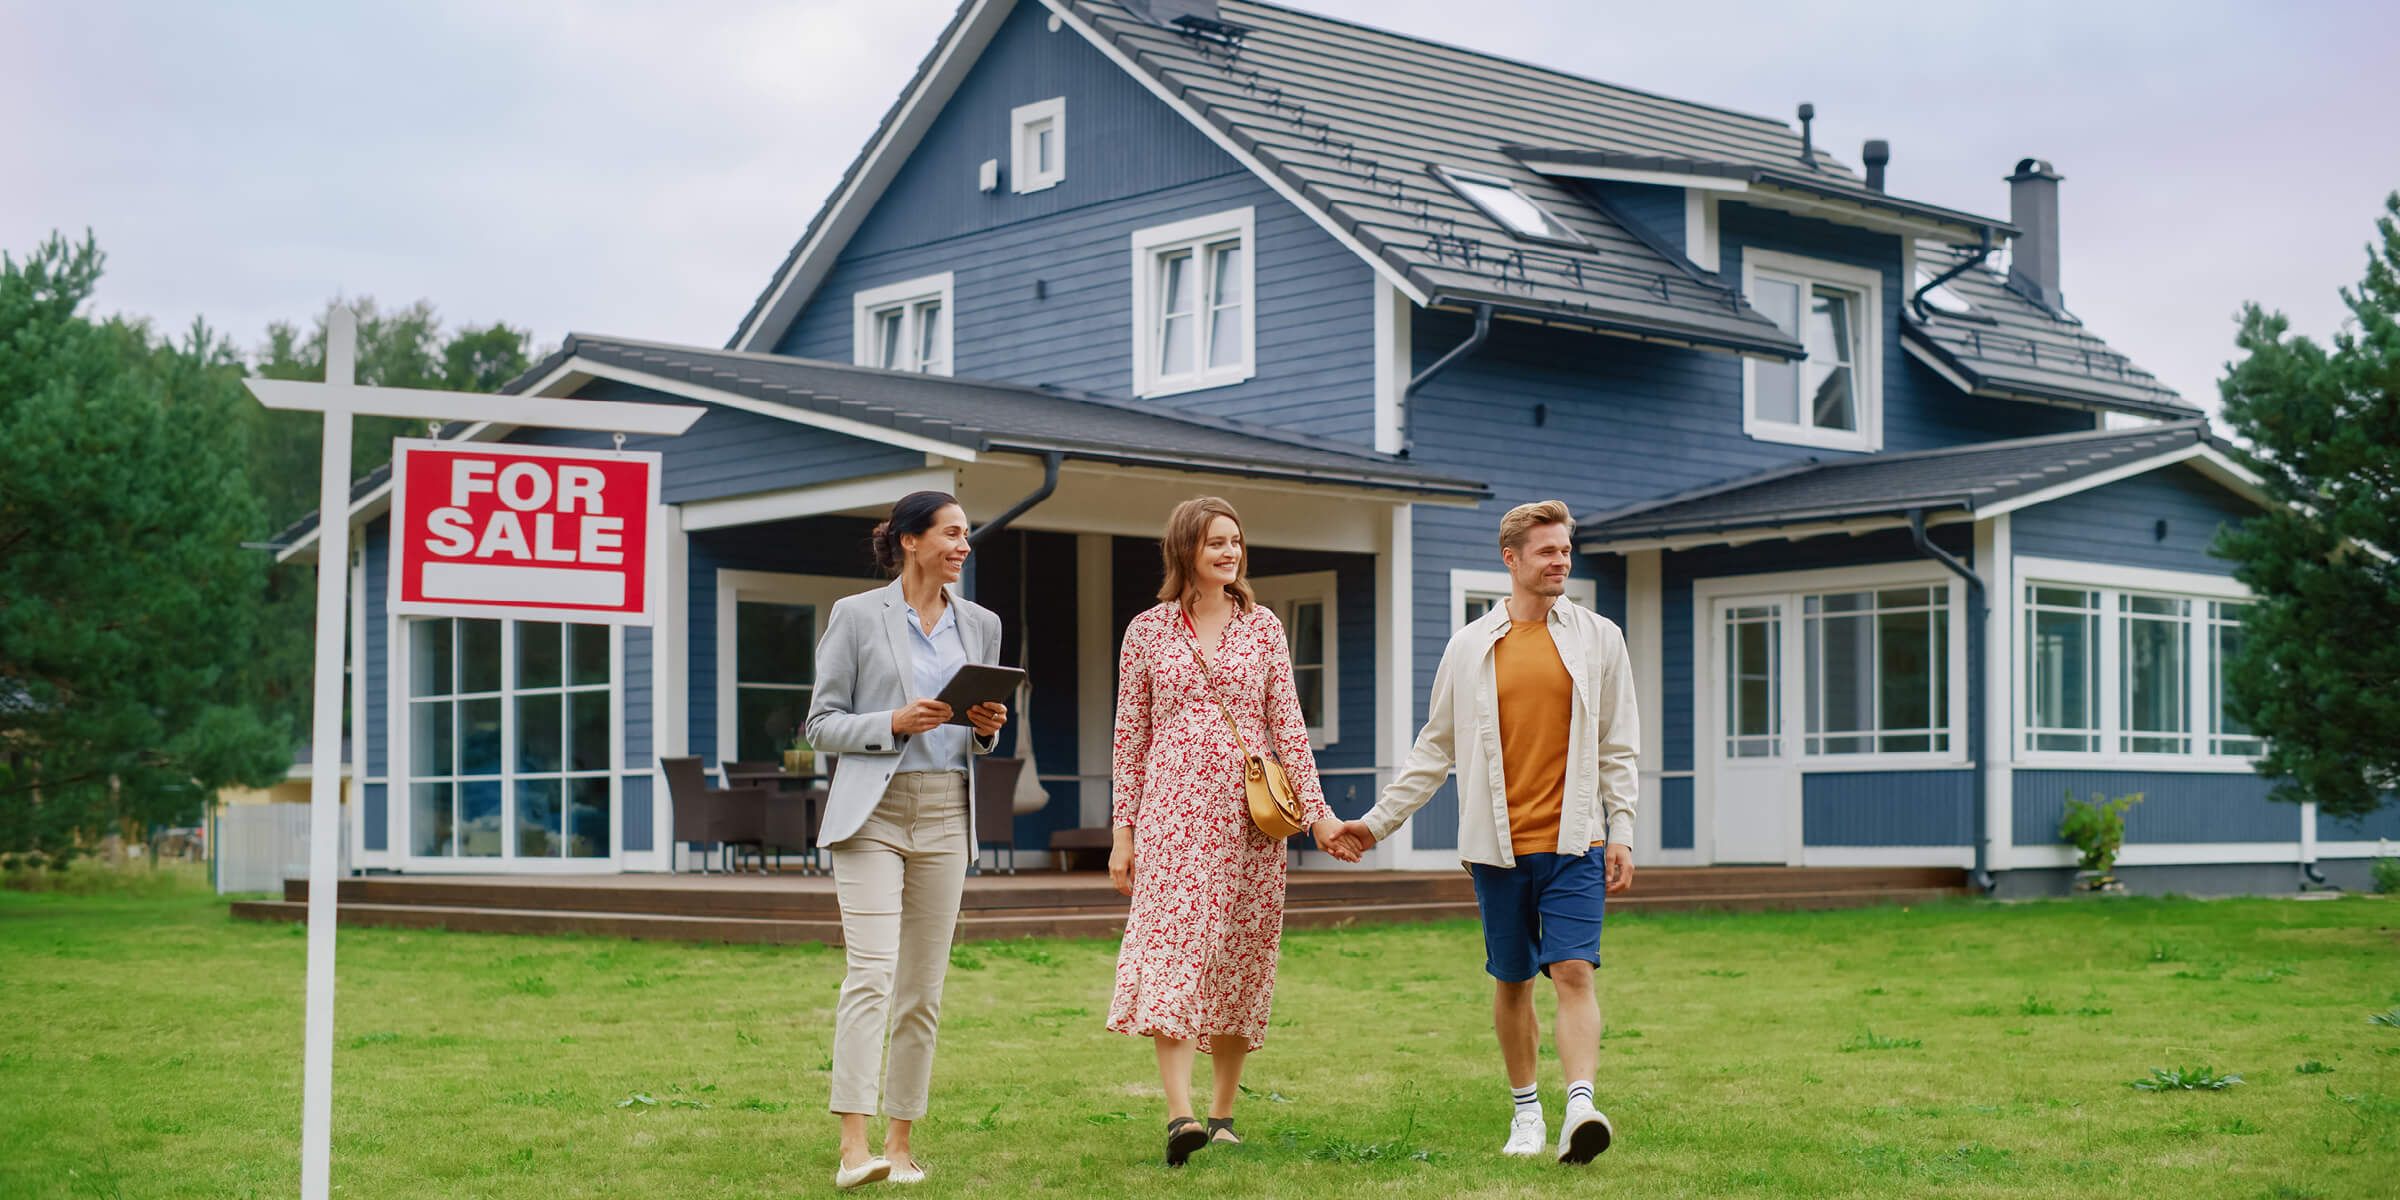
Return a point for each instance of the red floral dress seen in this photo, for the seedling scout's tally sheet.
(1207, 918)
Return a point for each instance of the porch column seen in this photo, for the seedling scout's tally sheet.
(1995, 562)
(1096, 675)
(1396, 653)
(670, 695)
(1644, 609)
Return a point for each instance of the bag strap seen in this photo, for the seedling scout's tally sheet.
(1209, 680)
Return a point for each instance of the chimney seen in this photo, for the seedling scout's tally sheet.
(1876, 155)
(2033, 209)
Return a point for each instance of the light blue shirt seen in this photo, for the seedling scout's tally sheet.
(933, 659)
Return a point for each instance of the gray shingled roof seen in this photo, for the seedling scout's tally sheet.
(1970, 478)
(1839, 186)
(2008, 345)
(986, 417)
(1352, 117)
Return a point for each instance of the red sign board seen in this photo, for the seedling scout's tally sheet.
(529, 532)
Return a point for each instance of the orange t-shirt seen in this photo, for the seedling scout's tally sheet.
(1537, 700)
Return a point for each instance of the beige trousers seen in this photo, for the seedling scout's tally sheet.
(899, 879)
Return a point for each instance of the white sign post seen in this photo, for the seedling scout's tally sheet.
(340, 399)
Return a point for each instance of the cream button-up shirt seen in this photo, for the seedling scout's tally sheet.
(1602, 779)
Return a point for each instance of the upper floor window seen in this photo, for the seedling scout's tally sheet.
(1193, 319)
(1037, 145)
(904, 326)
(1516, 212)
(1833, 397)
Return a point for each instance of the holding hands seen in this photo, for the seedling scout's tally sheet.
(1345, 840)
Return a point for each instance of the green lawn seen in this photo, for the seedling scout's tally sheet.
(151, 1048)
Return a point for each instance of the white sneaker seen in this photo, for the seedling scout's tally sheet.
(1526, 1133)
(874, 1170)
(1584, 1134)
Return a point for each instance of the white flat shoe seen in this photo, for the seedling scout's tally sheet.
(1585, 1134)
(874, 1170)
(914, 1172)
(1527, 1133)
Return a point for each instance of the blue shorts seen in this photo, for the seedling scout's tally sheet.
(1546, 909)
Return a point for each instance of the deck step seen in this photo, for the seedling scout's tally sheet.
(991, 926)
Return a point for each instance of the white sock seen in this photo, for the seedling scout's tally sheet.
(1580, 1089)
(1528, 1098)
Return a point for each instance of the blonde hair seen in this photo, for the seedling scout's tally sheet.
(1187, 529)
(1522, 520)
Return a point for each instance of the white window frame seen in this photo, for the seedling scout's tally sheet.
(1024, 175)
(770, 587)
(2114, 582)
(1193, 236)
(908, 296)
(1866, 370)
(1281, 593)
(1790, 588)
(399, 774)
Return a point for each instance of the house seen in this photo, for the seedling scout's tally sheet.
(1894, 582)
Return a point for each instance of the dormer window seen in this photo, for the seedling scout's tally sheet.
(1516, 212)
(1832, 397)
(1038, 150)
(904, 326)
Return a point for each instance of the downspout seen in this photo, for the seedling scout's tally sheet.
(1408, 411)
(1977, 612)
(1050, 462)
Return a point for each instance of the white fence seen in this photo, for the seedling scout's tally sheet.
(258, 846)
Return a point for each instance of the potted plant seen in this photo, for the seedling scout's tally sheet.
(2097, 831)
(800, 758)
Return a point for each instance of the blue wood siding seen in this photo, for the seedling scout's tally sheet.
(1675, 818)
(375, 817)
(1131, 164)
(2373, 827)
(635, 694)
(1648, 209)
(1888, 808)
(834, 546)
(2176, 807)
(730, 452)
(636, 803)
(2118, 523)
(376, 549)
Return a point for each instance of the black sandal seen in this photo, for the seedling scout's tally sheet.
(1185, 1137)
(1223, 1125)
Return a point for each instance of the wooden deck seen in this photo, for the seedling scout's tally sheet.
(801, 908)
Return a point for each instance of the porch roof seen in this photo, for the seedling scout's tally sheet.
(973, 416)
(1854, 494)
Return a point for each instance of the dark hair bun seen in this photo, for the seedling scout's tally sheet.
(885, 546)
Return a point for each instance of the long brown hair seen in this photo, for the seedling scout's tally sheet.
(1187, 528)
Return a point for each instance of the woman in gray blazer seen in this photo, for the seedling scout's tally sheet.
(900, 816)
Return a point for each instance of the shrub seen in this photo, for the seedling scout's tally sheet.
(2186, 1079)
(2387, 875)
(2097, 831)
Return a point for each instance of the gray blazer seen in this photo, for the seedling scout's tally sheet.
(863, 674)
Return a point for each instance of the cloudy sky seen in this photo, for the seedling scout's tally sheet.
(640, 168)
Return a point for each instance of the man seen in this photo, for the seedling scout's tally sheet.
(1534, 704)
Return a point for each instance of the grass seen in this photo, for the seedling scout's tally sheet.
(152, 1049)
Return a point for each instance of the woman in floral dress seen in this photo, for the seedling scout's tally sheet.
(1196, 973)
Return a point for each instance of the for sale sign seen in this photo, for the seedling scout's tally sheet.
(529, 532)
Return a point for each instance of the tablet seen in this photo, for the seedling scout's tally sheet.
(976, 684)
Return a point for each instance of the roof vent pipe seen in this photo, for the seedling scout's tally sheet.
(1876, 155)
(1808, 137)
(2033, 209)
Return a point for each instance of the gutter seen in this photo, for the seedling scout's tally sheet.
(1916, 299)
(1978, 610)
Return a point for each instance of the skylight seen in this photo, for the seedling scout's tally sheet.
(1514, 210)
